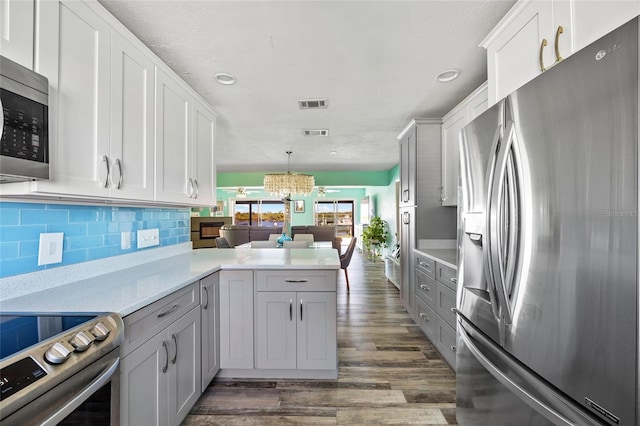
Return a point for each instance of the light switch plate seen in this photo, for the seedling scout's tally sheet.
(125, 240)
(50, 249)
(148, 237)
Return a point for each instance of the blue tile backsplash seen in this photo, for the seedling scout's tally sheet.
(90, 232)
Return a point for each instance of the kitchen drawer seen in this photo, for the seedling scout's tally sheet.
(296, 280)
(428, 266)
(445, 340)
(425, 288)
(426, 318)
(145, 323)
(446, 276)
(445, 302)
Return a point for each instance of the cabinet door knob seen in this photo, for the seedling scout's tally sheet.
(166, 351)
(300, 309)
(559, 31)
(206, 294)
(104, 182)
(543, 44)
(175, 355)
(117, 164)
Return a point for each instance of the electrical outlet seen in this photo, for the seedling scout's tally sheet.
(50, 248)
(148, 237)
(125, 240)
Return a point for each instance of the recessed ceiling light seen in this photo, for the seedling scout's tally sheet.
(225, 78)
(448, 75)
(334, 153)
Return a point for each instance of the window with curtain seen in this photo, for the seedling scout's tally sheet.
(259, 213)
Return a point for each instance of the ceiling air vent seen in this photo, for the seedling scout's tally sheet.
(313, 103)
(315, 132)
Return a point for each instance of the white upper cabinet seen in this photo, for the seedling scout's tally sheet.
(16, 31)
(122, 126)
(132, 100)
(79, 78)
(461, 115)
(594, 19)
(173, 140)
(535, 35)
(203, 170)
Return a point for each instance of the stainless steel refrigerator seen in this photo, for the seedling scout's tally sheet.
(548, 247)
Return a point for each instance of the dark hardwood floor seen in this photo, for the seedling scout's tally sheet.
(389, 373)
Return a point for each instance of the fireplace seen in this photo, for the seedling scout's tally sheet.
(204, 230)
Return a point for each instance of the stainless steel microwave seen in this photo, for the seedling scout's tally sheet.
(24, 146)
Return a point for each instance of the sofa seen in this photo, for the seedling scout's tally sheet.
(241, 234)
(320, 233)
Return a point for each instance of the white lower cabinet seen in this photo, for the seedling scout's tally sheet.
(209, 312)
(160, 376)
(296, 330)
(236, 319)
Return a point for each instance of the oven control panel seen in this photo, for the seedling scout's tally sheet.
(18, 376)
(38, 368)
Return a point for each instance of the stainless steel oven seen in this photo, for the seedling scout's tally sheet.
(60, 369)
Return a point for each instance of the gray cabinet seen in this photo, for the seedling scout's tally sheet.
(160, 374)
(210, 314)
(236, 319)
(421, 214)
(435, 298)
(296, 329)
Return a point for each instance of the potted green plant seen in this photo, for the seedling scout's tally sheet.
(374, 236)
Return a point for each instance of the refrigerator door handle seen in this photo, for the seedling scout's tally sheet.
(521, 382)
(487, 243)
(497, 207)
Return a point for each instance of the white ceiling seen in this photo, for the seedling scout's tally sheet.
(375, 61)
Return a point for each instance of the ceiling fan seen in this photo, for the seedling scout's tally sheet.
(323, 191)
(240, 191)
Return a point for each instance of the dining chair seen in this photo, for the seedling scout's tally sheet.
(222, 242)
(345, 259)
(304, 237)
(263, 244)
(295, 244)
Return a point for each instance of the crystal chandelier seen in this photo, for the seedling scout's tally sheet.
(285, 184)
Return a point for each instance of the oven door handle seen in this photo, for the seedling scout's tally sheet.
(83, 395)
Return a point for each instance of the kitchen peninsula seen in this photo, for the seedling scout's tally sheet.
(192, 314)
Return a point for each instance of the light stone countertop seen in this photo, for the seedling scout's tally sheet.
(445, 256)
(130, 288)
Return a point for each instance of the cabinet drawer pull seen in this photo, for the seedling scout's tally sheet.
(166, 351)
(424, 265)
(168, 311)
(454, 280)
(454, 310)
(423, 316)
(206, 298)
(424, 287)
(105, 183)
(543, 44)
(175, 355)
(196, 188)
(453, 349)
(559, 31)
(119, 165)
(295, 281)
